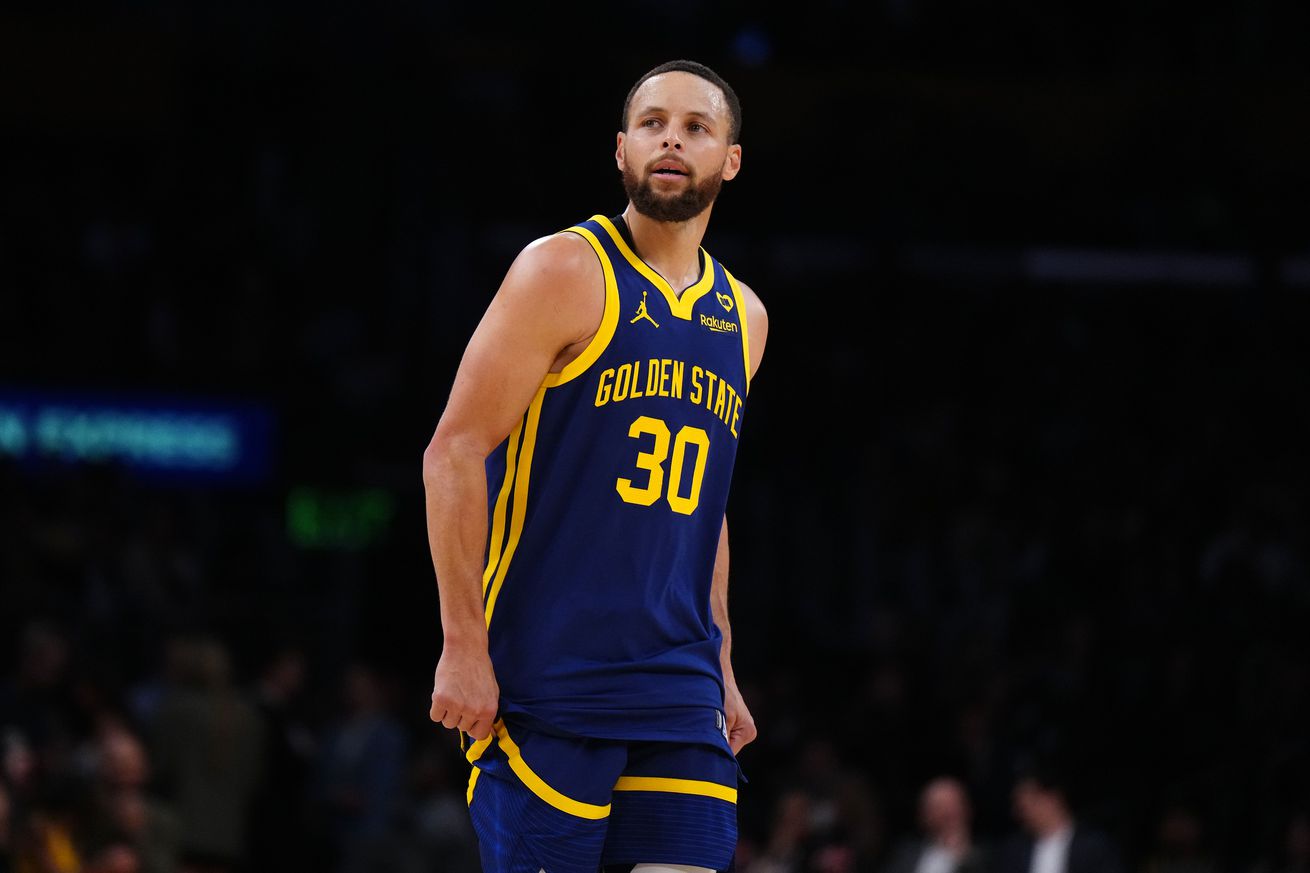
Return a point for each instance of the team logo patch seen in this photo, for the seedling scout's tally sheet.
(643, 312)
(725, 300)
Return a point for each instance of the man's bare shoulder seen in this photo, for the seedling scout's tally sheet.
(561, 261)
(757, 322)
(556, 281)
(752, 300)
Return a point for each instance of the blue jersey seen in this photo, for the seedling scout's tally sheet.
(606, 503)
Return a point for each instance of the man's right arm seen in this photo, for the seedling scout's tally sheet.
(550, 302)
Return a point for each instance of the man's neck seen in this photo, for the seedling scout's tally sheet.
(672, 248)
(955, 842)
(1055, 829)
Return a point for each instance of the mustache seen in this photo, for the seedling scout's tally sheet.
(650, 167)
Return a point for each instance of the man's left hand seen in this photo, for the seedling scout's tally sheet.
(741, 724)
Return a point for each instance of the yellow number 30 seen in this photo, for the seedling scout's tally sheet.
(653, 462)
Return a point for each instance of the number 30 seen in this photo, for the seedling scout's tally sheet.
(653, 462)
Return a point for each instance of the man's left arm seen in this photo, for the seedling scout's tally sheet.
(740, 722)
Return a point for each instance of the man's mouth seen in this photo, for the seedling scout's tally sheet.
(668, 169)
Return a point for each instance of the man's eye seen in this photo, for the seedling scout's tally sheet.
(650, 122)
(696, 126)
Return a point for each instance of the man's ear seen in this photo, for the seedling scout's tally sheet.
(732, 163)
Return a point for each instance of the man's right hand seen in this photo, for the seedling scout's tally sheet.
(464, 691)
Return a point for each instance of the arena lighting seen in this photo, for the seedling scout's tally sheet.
(349, 520)
(177, 438)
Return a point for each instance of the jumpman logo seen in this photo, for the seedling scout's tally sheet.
(642, 312)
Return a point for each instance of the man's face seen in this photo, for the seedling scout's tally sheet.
(942, 808)
(675, 154)
(1035, 807)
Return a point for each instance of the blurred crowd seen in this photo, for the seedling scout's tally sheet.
(191, 769)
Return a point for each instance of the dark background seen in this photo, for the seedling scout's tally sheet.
(1024, 470)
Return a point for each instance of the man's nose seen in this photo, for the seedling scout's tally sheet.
(673, 142)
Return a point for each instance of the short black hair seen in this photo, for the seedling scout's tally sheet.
(696, 69)
(1051, 771)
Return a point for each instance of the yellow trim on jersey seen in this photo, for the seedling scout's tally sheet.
(502, 500)
(679, 306)
(539, 787)
(473, 780)
(530, 421)
(478, 747)
(608, 321)
(741, 317)
(676, 786)
(499, 559)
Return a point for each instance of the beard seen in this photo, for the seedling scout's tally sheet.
(677, 207)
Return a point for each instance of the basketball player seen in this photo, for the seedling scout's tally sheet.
(576, 491)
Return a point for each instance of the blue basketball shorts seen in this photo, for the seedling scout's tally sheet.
(570, 804)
